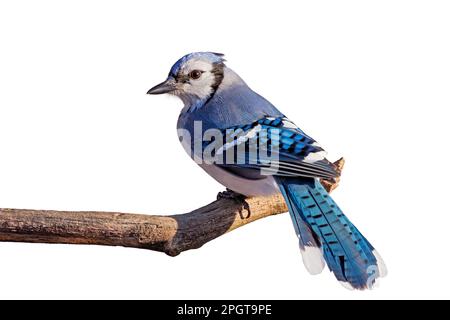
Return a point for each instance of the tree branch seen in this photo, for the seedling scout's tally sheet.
(170, 234)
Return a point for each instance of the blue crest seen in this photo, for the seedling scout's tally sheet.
(213, 57)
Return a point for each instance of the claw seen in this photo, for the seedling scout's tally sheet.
(238, 198)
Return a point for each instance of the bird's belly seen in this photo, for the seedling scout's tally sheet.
(248, 187)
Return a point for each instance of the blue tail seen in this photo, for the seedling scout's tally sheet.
(322, 228)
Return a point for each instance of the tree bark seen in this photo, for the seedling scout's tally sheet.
(170, 234)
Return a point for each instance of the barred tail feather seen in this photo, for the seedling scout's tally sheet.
(309, 244)
(325, 233)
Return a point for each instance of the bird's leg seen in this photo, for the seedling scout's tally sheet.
(238, 198)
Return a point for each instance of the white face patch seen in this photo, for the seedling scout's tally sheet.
(202, 87)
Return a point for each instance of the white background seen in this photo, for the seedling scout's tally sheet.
(369, 80)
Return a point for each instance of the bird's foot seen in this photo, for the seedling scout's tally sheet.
(230, 194)
(238, 198)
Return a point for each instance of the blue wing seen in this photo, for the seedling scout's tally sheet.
(275, 145)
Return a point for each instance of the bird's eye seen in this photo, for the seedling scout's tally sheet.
(195, 74)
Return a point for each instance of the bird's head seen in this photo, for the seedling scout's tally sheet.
(194, 77)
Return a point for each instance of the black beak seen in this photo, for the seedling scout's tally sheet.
(164, 87)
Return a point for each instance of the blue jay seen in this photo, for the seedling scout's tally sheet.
(216, 98)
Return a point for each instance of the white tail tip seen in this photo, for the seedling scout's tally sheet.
(313, 259)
